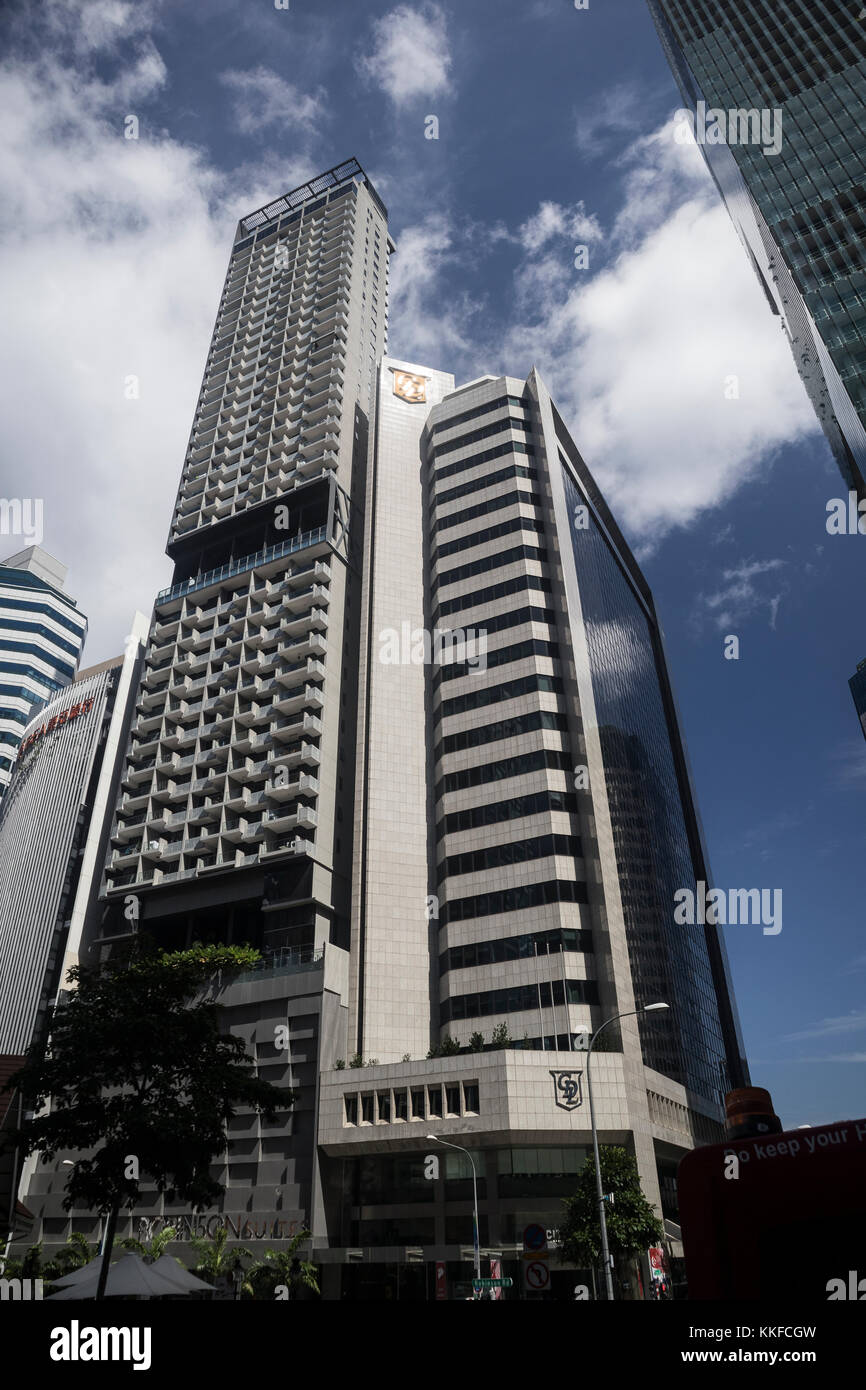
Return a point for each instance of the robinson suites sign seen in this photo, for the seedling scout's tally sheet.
(258, 1226)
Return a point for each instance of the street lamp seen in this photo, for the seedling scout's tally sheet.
(436, 1140)
(605, 1253)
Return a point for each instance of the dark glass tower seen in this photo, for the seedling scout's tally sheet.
(800, 212)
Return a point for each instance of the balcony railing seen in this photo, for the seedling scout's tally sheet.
(246, 562)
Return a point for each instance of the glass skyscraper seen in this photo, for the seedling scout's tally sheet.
(800, 211)
(41, 637)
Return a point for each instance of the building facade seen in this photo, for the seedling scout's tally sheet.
(521, 744)
(798, 201)
(405, 725)
(41, 637)
(65, 783)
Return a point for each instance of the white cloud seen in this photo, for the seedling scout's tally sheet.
(831, 1027)
(743, 594)
(114, 251)
(262, 98)
(426, 326)
(640, 353)
(553, 222)
(621, 108)
(410, 56)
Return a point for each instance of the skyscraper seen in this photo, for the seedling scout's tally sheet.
(234, 821)
(799, 209)
(54, 825)
(405, 724)
(41, 637)
(521, 739)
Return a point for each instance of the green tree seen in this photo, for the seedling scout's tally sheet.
(153, 1248)
(140, 1076)
(632, 1225)
(476, 1042)
(218, 1260)
(285, 1269)
(500, 1037)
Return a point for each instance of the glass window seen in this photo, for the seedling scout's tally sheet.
(434, 1097)
(367, 1109)
(418, 1105)
(384, 1106)
(470, 1097)
(401, 1105)
(351, 1104)
(452, 1100)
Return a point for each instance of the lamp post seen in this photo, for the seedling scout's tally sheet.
(436, 1140)
(602, 1217)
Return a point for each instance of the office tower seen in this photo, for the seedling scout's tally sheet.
(857, 684)
(799, 209)
(41, 637)
(234, 821)
(55, 820)
(54, 826)
(534, 759)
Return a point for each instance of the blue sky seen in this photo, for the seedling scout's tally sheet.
(554, 131)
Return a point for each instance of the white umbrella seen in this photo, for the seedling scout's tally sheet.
(179, 1275)
(130, 1275)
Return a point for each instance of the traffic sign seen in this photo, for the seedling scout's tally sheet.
(492, 1283)
(536, 1275)
(534, 1237)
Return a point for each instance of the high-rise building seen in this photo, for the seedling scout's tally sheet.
(234, 821)
(55, 820)
(405, 724)
(54, 825)
(41, 637)
(790, 78)
(524, 818)
(857, 685)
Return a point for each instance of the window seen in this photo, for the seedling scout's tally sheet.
(401, 1105)
(434, 1096)
(351, 1105)
(384, 1107)
(418, 1105)
(470, 1097)
(452, 1100)
(367, 1109)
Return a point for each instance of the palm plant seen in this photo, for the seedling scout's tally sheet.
(217, 1261)
(154, 1248)
(76, 1253)
(285, 1269)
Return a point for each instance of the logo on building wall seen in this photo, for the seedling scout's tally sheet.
(64, 717)
(567, 1089)
(409, 387)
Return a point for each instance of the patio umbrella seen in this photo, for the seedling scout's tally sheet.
(130, 1275)
(181, 1277)
(78, 1276)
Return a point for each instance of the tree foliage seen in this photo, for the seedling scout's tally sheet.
(632, 1225)
(285, 1268)
(141, 1078)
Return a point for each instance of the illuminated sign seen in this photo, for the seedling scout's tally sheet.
(410, 387)
(64, 717)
